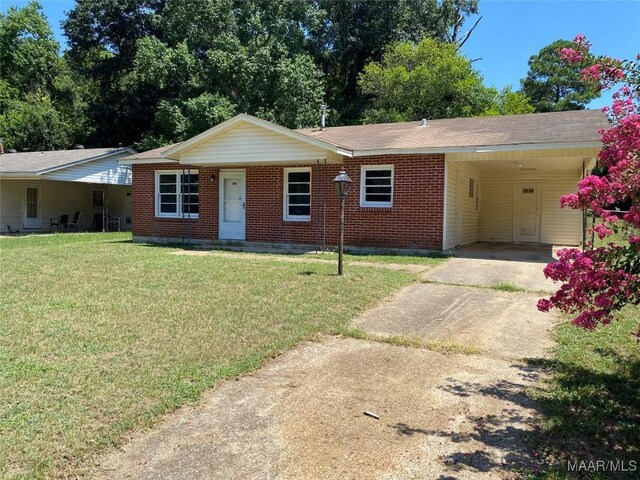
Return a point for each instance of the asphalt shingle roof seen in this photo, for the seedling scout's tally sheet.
(36, 162)
(554, 127)
(535, 128)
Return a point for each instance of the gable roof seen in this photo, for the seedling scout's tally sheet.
(572, 127)
(509, 132)
(37, 163)
(244, 118)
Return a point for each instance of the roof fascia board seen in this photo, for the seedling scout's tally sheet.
(18, 175)
(85, 160)
(243, 117)
(144, 161)
(480, 149)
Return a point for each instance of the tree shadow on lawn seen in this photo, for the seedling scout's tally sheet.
(502, 437)
(589, 415)
(585, 415)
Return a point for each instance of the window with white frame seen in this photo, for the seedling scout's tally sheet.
(376, 186)
(97, 199)
(177, 194)
(297, 194)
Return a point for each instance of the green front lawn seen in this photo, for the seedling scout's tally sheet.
(591, 401)
(374, 258)
(99, 335)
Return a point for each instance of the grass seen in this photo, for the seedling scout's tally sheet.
(445, 347)
(591, 402)
(100, 336)
(370, 258)
(507, 287)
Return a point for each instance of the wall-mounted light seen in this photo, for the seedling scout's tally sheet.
(213, 178)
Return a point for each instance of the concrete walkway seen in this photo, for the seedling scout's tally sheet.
(441, 416)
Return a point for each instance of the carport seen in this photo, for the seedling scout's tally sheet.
(508, 195)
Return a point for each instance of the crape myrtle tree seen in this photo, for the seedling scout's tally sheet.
(599, 281)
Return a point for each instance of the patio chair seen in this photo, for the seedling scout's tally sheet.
(61, 222)
(75, 222)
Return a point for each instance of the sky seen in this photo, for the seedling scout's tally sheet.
(509, 33)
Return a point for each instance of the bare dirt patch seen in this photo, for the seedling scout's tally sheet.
(301, 416)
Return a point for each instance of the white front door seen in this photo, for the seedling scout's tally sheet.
(527, 221)
(31, 211)
(232, 205)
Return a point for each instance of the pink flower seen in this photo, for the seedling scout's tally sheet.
(569, 55)
(544, 305)
(602, 230)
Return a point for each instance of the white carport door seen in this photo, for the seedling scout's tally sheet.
(527, 212)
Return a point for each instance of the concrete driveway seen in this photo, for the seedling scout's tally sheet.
(445, 416)
(489, 264)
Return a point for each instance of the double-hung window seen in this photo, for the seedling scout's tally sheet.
(376, 186)
(177, 194)
(297, 194)
(97, 198)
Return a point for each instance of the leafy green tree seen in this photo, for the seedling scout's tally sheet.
(103, 40)
(353, 33)
(508, 102)
(28, 50)
(554, 85)
(34, 123)
(427, 80)
(181, 73)
(42, 105)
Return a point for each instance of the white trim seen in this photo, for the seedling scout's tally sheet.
(478, 149)
(20, 176)
(243, 117)
(144, 161)
(156, 194)
(363, 202)
(285, 211)
(444, 209)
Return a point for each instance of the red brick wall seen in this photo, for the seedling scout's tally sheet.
(144, 221)
(414, 221)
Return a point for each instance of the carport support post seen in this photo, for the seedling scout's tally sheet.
(341, 182)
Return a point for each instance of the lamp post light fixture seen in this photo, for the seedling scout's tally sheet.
(341, 182)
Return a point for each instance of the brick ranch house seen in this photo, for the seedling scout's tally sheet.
(431, 185)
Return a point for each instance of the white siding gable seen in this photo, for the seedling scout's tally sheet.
(104, 171)
(246, 143)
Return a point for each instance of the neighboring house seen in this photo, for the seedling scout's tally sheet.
(38, 186)
(428, 185)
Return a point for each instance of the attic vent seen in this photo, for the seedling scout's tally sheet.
(423, 123)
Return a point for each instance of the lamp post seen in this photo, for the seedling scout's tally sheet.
(341, 182)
